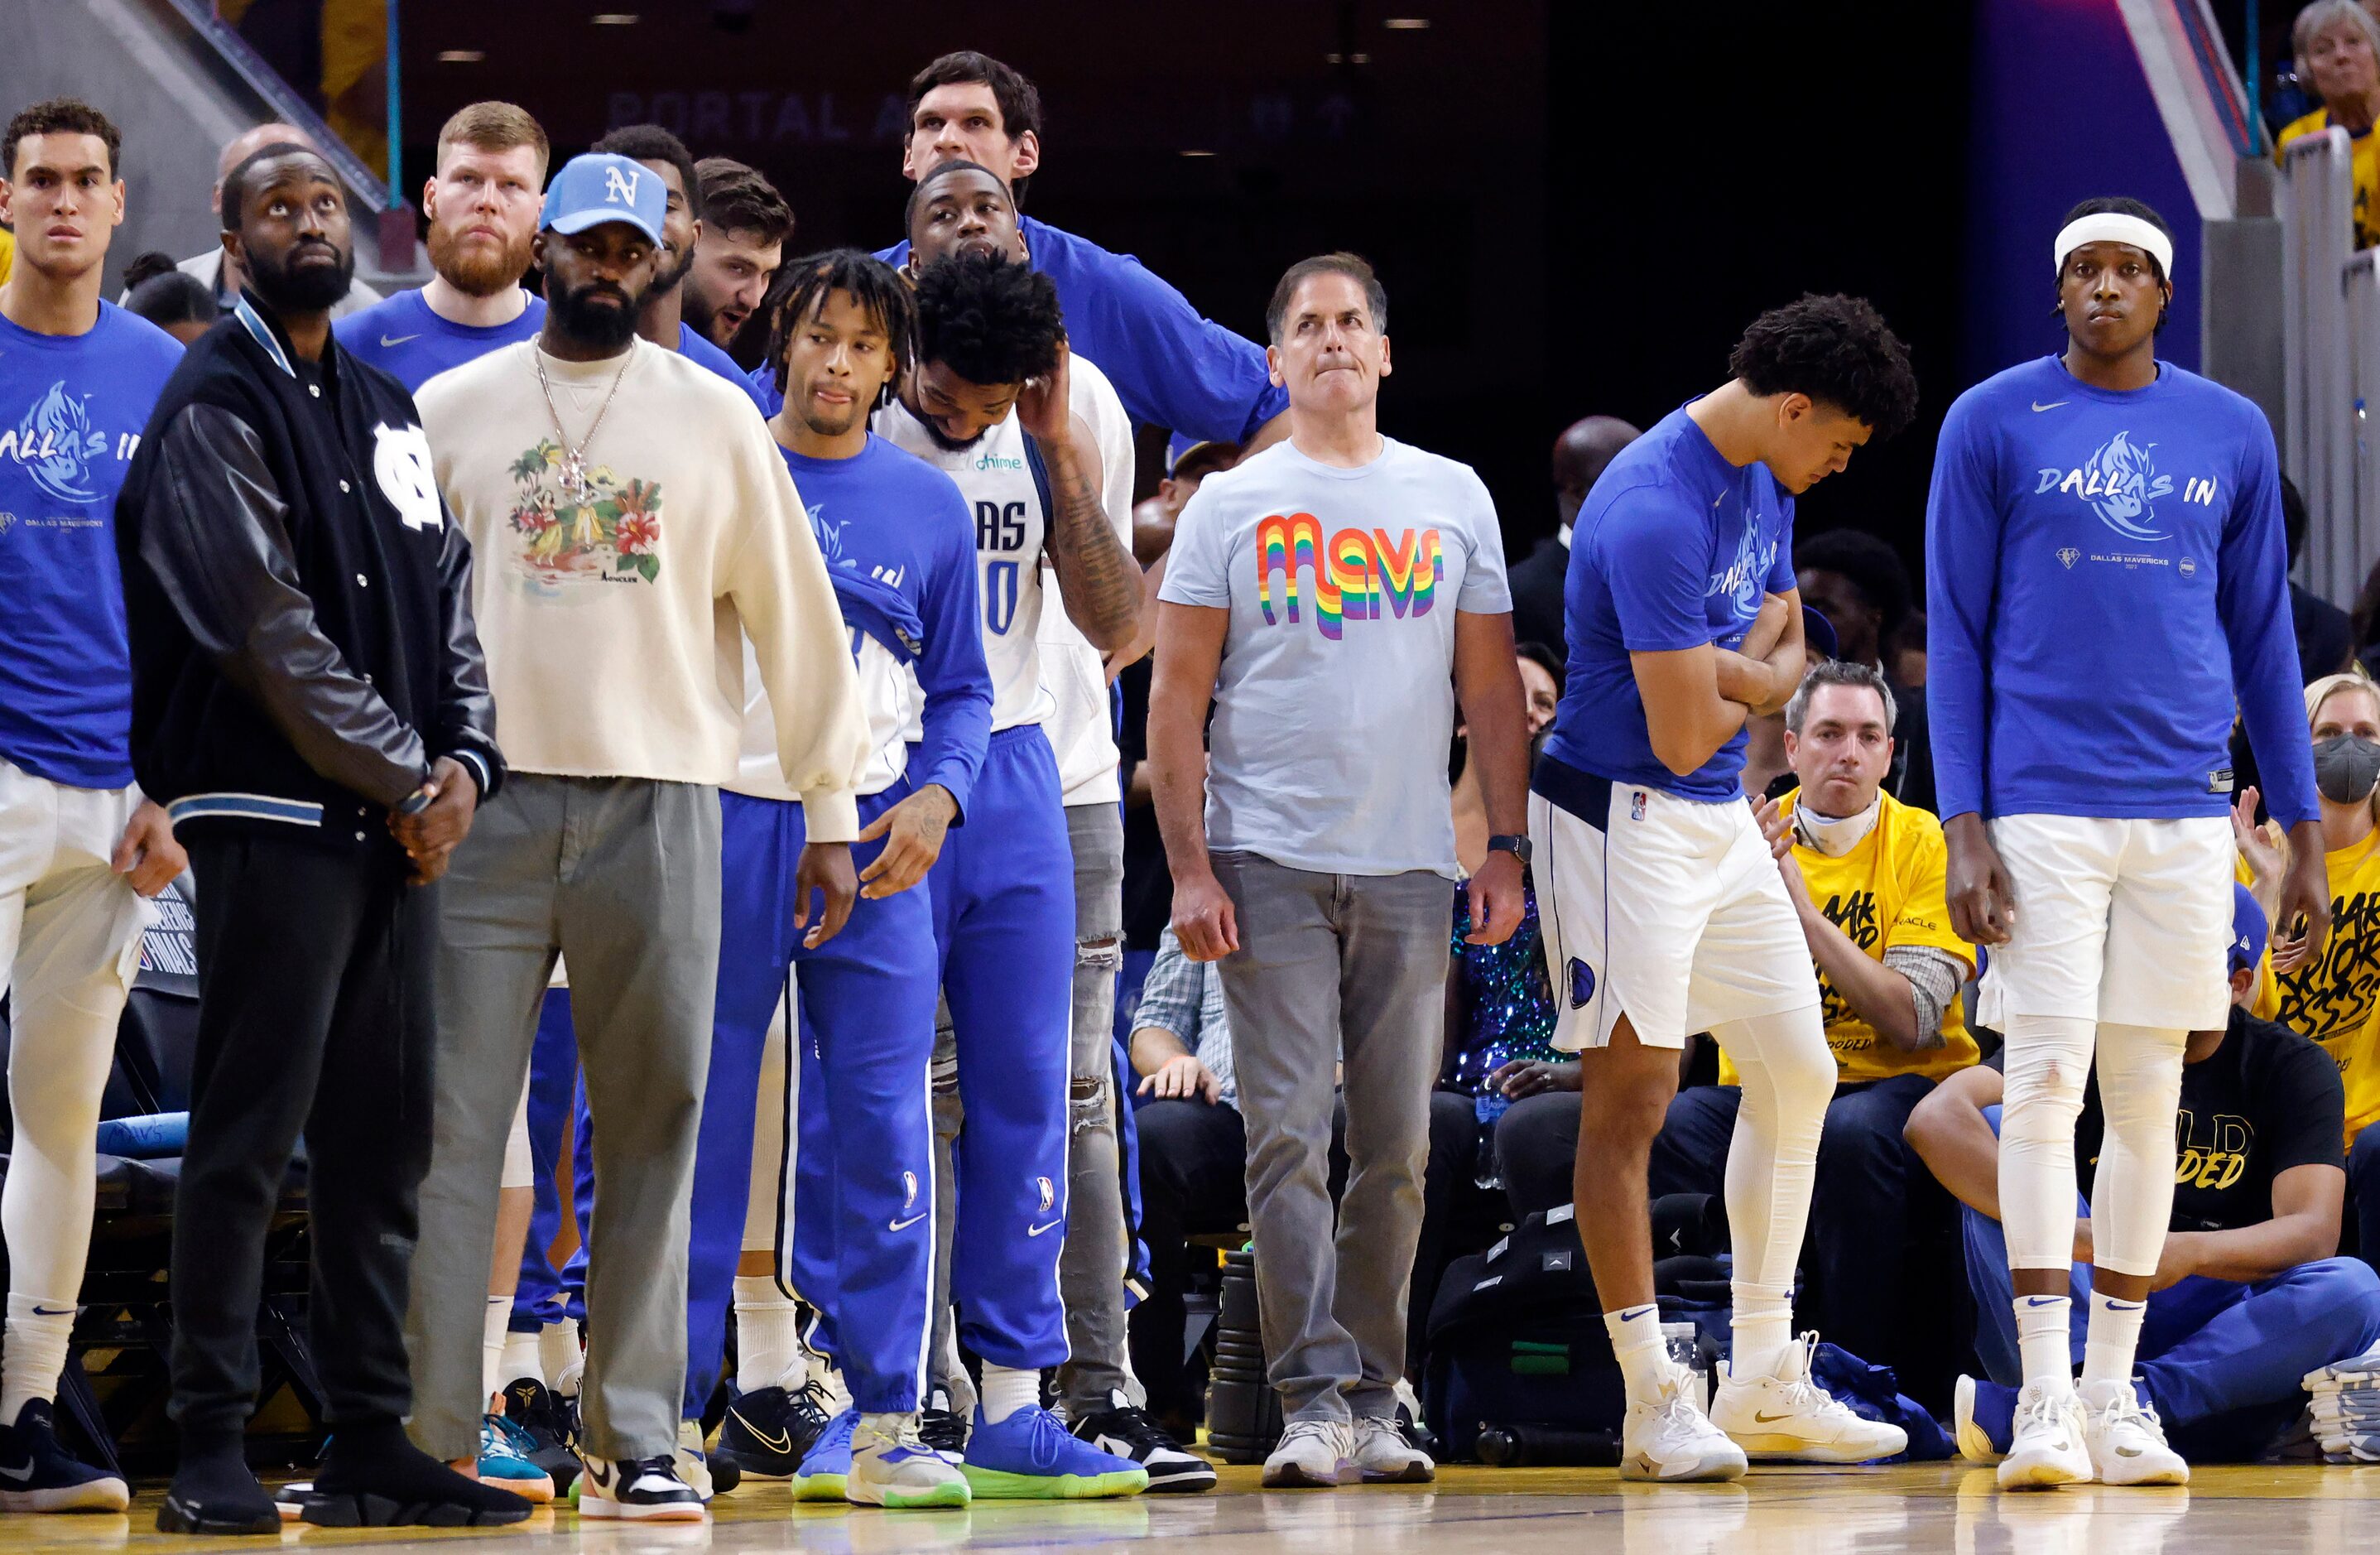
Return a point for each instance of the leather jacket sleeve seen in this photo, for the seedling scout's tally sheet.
(216, 537)
(466, 711)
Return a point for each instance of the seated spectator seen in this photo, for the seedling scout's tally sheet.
(2337, 48)
(2335, 1000)
(2248, 1298)
(1580, 453)
(1859, 584)
(178, 304)
(2326, 635)
(1864, 872)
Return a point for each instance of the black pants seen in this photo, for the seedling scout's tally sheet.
(314, 1018)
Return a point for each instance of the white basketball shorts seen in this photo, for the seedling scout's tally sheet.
(1668, 911)
(2121, 921)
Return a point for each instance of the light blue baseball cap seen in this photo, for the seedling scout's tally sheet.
(601, 187)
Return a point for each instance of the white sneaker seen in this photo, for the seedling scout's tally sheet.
(892, 1467)
(637, 1489)
(1383, 1456)
(1785, 1417)
(1668, 1438)
(2045, 1445)
(2126, 1440)
(1311, 1454)
(692, 1466)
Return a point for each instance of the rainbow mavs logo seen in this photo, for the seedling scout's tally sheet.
(1356, 573)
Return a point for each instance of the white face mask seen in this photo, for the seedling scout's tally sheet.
(1832, 835)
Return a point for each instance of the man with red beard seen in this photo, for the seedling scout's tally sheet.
(482, 205)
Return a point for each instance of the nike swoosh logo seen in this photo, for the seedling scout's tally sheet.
(1632, 1317)
(2053, 404)
(387, 340)
(2042, 1300)
(1036, 1231)
(903, 1225)
(782, 1443)
(20, 1475)
(2128, 1452)
(54, 1311)
(1769, 1419)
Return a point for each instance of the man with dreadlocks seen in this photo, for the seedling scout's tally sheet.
(900, 547)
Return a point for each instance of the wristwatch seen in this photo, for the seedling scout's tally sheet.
(1516, 845)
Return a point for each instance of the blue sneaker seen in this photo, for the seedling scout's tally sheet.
(37, 1475)
(505, 1463)
(826, 1467)
(1986, 1419)
(1030, 1456)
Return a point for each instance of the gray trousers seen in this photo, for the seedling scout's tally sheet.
(944, 1371)
(1092, 1264)
(621, 877)
(1334, 967)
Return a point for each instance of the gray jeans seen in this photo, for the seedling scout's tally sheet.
(1335, 969)
(621, 877)
(1091, 1266)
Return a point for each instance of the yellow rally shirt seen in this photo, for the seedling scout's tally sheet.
(1886, 892)
(2366, 166)
(2336, 1000)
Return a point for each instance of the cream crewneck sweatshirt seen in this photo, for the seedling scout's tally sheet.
(614, 622)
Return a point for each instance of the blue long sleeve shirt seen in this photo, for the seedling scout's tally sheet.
(898, 520)
(1170, 366)
(2106, 584)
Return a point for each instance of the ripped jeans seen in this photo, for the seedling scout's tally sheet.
(1091, 1267)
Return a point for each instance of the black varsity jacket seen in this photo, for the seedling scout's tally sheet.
(297, 599)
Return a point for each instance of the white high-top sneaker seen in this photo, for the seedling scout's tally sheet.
(2126, 1440)
(2046, 1444)
(1668, 1438)
(1785, 1417)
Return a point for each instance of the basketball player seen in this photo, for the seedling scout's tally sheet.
(482, 205)
(663, 322)
(898, 539)
(959, 207)
(2106, 583)
(78, 844)
(745, 224)
(990, 404)
(1663, 914)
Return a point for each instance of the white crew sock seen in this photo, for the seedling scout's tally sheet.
(2112, 1339)
(2044, 1339)
(1636, 1342)
(768, 1334)
(1764, 1332)
(34, 1351)
(1007, 1390)
(495, 1327)
(557, 1347)
(523, 1356)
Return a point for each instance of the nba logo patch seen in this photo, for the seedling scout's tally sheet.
(1636, 804)
(1048, 1193)
(908, 1188)
(2068, 557)
(1581, 982)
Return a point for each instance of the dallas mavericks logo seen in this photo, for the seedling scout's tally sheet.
(620, 184)
(1741, 581)
(830, 536)
(2122, 483)
(56, 443)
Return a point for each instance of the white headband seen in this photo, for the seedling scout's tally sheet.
(2114, 227)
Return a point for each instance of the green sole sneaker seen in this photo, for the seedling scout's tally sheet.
(818, 1488)
(993, 1485)
(953, 1493)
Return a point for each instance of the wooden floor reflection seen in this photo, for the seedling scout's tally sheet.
(1470, 1512)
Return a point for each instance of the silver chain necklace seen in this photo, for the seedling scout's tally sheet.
(573, 460)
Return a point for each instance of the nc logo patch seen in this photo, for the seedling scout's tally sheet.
(401, 465)
(620, 185)
(1582, 983)
(1049, 1193)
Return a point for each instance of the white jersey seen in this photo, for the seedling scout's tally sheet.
(1002, 482)
(1081, 728)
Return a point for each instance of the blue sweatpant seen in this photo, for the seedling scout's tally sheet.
(1003, 902)
(2223, 1361)
(863, 1239)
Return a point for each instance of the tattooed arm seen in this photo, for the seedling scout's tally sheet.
(1097, 579)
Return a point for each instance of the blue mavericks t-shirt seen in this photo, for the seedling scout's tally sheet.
(72, 410)
(696, 347)
(404, 339)
(1674, 547)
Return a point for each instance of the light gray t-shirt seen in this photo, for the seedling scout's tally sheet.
(1335, 704)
